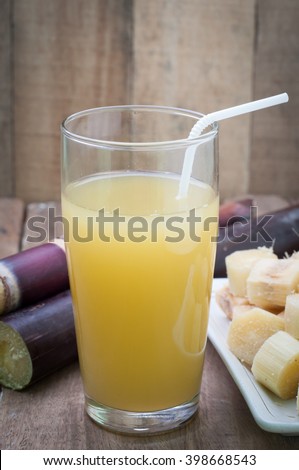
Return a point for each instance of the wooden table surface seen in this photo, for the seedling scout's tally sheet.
(50, 414)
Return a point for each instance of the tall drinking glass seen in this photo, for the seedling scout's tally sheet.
(140, 260)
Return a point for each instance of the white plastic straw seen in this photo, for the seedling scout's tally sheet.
(219, 116)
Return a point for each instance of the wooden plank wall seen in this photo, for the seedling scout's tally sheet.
(274, 161)
(6, 112)
(58, 57)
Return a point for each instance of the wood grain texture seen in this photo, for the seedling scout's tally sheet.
(274, 159)
(59, 57)
(164, 52)
(191, 54)
(68, 56)
(6, 116)
(11, 225)
(50, 415)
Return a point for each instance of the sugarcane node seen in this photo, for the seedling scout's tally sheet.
(5, 295)
(32, 275)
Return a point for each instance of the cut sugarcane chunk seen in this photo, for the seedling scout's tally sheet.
(227, 301)
(15, 361)
(36, 341)
(270, 282)
(292, 315)
(239, 264)
(32, 275)
(248, 332)
(239, 310)
(276, 365)
(297, 402)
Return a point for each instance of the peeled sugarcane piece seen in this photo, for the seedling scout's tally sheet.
(248, 332)
(278, 230)
(36, 341)
(276, 365)
(32, 275)
(234, 211)
(270, 281)
(241, 309)
(227, 301)
(291, 316)
(239, 264)
(297, 401)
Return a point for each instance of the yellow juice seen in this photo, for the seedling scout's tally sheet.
(140, 299)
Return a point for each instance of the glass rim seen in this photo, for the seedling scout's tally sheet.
(212, 133)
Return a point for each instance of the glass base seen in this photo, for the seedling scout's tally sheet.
(151, 422)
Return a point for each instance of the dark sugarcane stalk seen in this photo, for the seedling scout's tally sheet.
(37, 341)
(280, 231)
(32, 275)
(233, 211)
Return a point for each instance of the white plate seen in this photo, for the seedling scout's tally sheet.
(270, 412)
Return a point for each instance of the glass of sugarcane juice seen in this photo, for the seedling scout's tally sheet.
(140, 260)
